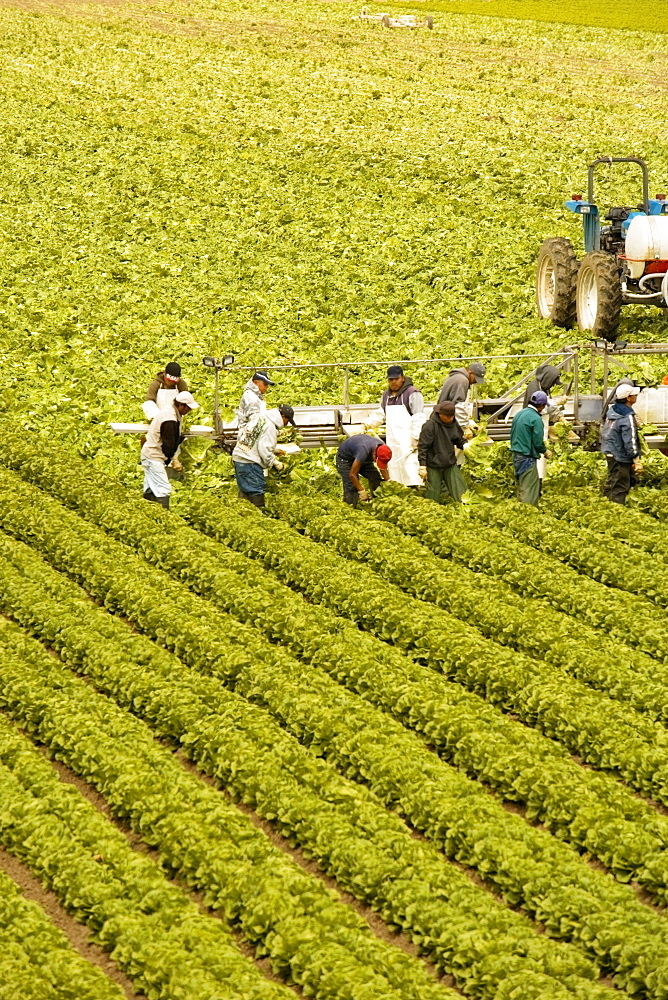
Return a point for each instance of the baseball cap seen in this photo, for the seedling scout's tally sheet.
(383, 456)
(447, 408)
(172, 371)
(187, 398)
(539, 398)
(478, 370)
(287, 412)
(622, 391)
(262, 377)
(395, 371)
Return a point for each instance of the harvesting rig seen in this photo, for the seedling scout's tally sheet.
(396, 21)
(625, 261)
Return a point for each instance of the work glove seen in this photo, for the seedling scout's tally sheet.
(468, 433)
(364, 495)
(637, 466)
(547, 454)
(422, 472)
(176, 465)
(279, 466)
(414, 444)
(560, 400)
(467, 445)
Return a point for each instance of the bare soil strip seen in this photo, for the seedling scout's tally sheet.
(77, 934)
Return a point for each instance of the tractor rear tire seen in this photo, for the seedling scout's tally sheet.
(556, 278)
(599, 294)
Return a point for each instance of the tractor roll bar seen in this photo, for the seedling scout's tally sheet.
(619, 159)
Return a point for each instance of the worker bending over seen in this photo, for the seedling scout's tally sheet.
(163, 389)
(455, 390)
(545, 379)
(252, 406)
(356, 457)
(620, 443)
(402, 410)
(527, 443)
(439, 439)
(161, 446)
(251, 459)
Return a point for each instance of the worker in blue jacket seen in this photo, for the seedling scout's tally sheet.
(527, 443)
(620, 444)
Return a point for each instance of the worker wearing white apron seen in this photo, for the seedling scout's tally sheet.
(402, 409)
(163, 389)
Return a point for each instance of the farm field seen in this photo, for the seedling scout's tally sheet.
(410, 752)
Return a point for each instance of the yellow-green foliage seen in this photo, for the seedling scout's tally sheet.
(290, 183)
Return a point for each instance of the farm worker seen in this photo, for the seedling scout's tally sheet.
(455, 390)
(402, 409)
(620, 443)
(252, 406)
(161, 447)
(612, 395)
(355, 458)
(163, 389)
(527, 443)
(253, 459)
(439, 438)
(546, 377)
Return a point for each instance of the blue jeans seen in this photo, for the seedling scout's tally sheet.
(368, 470)
(251, 482)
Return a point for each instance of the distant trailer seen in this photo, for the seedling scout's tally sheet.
(400, 21)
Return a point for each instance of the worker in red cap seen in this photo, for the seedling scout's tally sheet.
(358, 456)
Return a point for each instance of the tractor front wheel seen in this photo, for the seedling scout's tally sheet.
(556, 277)
(599, 294)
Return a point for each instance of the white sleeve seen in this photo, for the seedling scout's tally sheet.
(416, 410)
(150, 409)
(463, 413)
(376, 418)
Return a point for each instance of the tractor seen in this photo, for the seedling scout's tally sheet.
(625, 261)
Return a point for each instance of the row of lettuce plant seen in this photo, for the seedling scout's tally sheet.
(37, 960)
(602, 558)
(150, 927)
(369, 850)
(458, 536)
(522, 764)
(481, 832)
(637, 529)
(603, 732)
(286, 913)
(596, 659)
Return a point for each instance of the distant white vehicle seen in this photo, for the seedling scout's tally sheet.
(401, 21)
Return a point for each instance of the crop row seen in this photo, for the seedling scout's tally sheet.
(368, 849)
(603, 559)
(37, 960)
(591, 810)
(284, 912)
(149, 926)
(460, 537)
(603, 732)
(594, 658)
(626, 524)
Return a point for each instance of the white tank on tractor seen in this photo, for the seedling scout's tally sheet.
(625, 261)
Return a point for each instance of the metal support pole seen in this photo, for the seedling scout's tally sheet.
(217, 423)
(346, 386)
(606, 370)
(592, 387)
(576, 386)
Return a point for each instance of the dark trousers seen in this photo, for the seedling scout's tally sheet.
(257, 499)
(619, 480)
(368, 470)
(150, 495)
